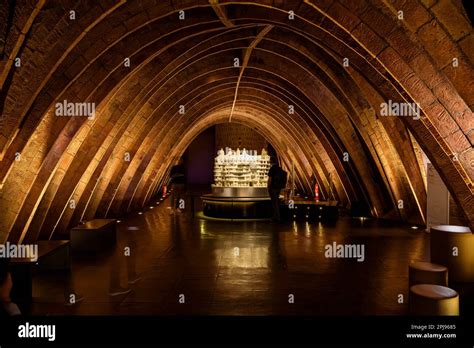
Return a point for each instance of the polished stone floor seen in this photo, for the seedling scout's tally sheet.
(230, 268)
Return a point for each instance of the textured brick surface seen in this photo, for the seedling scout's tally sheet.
(453, 18)
(235, 135)
(173, 63)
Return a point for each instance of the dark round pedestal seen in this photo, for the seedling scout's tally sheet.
(237, 203)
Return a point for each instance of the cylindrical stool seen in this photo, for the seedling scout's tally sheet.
(453, 247)
(428, 299)
(427, 273)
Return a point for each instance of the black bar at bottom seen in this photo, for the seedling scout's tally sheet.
(240, 330)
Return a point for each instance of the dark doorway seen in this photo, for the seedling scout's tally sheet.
(199, 159)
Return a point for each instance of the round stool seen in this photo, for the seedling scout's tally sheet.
(420, 272)
(428, 299)
(453, 247)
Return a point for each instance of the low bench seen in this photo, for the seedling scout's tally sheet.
(94, 235)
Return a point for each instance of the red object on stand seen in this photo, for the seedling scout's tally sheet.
(316, 192)
(164, 190)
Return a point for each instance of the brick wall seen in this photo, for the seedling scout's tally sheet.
(456, 216)
(236, 135)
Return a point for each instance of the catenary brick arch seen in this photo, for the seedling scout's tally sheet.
(335, 62)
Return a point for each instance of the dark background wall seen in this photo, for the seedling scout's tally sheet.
(199, 156)
(236, 135)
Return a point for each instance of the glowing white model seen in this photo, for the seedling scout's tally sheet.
(241, 168)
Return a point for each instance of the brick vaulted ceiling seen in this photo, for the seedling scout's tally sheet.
(47, 161)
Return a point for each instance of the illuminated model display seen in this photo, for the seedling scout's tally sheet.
(240, 185)
(241, 168)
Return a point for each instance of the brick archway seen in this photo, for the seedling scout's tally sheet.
(173, 62)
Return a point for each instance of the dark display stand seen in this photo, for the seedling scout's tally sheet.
(237, 203)
(236, 207)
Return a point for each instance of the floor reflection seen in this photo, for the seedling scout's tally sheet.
(230, 268)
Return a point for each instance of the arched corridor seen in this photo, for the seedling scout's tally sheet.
(230, 147)
(333, 62)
